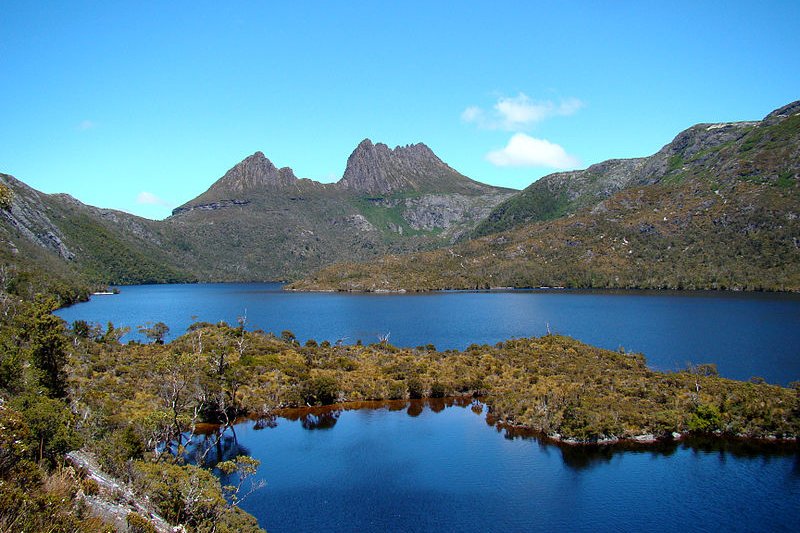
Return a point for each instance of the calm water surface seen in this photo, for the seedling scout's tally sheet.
(427, 467)
(744, 334)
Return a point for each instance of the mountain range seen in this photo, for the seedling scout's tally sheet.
(717, 207)
(257, 222)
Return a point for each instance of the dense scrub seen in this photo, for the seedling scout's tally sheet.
(41, 420)
(553, 384)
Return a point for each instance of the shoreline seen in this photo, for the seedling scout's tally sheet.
(641, 441)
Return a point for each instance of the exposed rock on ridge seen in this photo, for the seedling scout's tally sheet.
(377, 169)
(256, 172)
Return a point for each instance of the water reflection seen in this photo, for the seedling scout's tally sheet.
(321, 421)
(213, 444)
(326, 416)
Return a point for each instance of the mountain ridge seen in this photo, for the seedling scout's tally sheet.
(716, 208)
(261, 223)
(372, 169)
(564, 193)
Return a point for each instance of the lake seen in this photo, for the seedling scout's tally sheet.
(745, 334)
(427, 466)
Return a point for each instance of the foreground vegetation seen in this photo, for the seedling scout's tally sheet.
(40, 422)
(552, 384)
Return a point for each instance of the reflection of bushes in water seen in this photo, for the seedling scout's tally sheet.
(415, 409)
(265, 421)
(437, 405)
(214, 447)
(740, 448)
(313, 417)
(324, 420)
(582, 457)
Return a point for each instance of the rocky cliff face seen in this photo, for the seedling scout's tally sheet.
(376, 169)
(28, 216)
(256, 172)
(108, 246)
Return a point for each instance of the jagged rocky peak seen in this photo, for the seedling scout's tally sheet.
(378, 169)
(255, 172)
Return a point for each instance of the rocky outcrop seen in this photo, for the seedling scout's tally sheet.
(695, 151)
(377, 169)
(213, 206)
(28, 215)
(783, 112)
(115, 500)
(256, 172)
(453, 213)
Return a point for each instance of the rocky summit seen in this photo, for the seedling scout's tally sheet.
(256, 172)
(377, 169)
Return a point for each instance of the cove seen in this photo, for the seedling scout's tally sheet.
(441, 466)
(744, 334)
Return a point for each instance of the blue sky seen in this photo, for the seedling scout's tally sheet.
(141, 106)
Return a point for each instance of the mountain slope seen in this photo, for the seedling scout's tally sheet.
(563, 193)
(719, 207)
(69, 239)
(259, 222)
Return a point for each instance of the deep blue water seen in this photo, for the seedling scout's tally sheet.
(424, 467)
(745, 334)
(444, 469)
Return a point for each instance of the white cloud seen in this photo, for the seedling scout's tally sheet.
(148, 198)
(525, 151)
(472, 114)
(515, 113)
(86, 125)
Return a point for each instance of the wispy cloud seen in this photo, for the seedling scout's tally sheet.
(148, 198)
(84, 125)
(525, 151)
(516, 113)
(472, 114)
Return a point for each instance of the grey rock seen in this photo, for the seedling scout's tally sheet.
(212, 206)
(256, 172)
(377, 169)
